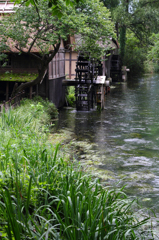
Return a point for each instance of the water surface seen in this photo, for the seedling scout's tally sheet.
(125, 137)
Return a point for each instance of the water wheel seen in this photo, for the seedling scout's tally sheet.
(86, 72)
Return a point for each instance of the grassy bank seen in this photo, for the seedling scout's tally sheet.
(45, 196)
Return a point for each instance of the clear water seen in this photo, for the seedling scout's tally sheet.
(127, 136)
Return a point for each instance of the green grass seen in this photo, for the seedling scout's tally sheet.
(44, 196)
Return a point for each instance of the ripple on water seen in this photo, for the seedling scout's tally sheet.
(138, 128)
(137, 140)
(107, 122)
(138, 161)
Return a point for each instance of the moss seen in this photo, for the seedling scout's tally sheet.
(17, 77)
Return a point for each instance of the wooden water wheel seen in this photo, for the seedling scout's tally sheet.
(86, 73)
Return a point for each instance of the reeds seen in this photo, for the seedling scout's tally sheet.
(43, 196)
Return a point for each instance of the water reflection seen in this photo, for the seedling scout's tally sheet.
(126, 133)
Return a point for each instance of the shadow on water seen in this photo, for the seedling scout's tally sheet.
(123, 138)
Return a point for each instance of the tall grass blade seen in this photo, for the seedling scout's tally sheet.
(12, 221)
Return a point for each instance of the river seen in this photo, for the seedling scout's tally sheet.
(123, 138)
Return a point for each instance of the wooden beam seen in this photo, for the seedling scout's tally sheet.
(69, 82)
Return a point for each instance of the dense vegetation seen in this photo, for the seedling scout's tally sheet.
(137, 27)
(43, 195)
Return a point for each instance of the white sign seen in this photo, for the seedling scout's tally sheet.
(100, 80)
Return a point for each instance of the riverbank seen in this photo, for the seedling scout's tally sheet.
(45, 194)
(82, 150)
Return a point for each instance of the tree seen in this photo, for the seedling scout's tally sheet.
(35, 27)
(140, 17)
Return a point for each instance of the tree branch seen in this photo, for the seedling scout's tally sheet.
(34, 40)
(52, 55)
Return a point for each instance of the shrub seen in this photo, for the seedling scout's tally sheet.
(70, 96)
(50, 108)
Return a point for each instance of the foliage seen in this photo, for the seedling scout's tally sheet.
(153, 53)
(53, 4)
(140, 17)
(70, 96)
(48, 106)
(111, 4)
(95, 41)
(135, 54)
(40, 108)
(45, 196)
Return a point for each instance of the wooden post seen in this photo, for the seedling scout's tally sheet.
(70, 64)
(100, 96)
(7, 91)
(31, 91)
(100, 83)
